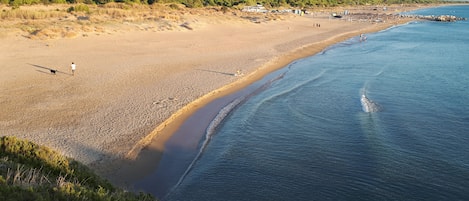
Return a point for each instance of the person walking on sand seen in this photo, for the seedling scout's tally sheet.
(74, 66)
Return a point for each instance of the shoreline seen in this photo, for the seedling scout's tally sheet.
(169, 125)
(141, 152)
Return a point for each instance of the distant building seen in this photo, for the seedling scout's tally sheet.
(256, 9)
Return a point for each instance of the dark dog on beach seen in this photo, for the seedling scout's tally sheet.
(52, 71)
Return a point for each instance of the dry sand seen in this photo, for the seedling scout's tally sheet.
(133, 88)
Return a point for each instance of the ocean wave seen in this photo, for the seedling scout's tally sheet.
(379, 73)
(293, 88)
(346, 43)
(217, 121)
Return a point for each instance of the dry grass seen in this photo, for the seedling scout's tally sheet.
(30, 177)
(69, 21)
(32, 172)
(26, 177)
(31, 14)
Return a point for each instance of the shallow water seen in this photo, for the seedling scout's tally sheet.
(311, 135)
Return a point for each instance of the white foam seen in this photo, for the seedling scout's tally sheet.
(212, 127)
(368, 105)
(209, 133)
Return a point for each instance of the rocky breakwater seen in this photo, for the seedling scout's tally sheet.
(439, 18)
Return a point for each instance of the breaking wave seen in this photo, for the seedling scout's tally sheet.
(369, 105)
(219, 118)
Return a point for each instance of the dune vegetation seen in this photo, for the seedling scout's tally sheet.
(50, 19)
(228, 3)
(45, 22)
(32, 172)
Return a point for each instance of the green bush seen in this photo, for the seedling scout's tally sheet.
(79, 8)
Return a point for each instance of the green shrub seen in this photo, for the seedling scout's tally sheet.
(32, 172)
(79, 8)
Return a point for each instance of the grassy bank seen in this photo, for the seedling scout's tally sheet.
(32, 172)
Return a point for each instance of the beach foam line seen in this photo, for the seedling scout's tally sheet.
(208, 136)
(220, 117)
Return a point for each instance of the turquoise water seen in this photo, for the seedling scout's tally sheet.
(310, 135)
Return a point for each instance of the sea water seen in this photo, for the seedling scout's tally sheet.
(384, 119)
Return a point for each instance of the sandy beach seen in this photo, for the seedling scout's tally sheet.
(133, 87)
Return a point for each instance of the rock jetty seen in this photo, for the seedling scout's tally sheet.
(439, 18)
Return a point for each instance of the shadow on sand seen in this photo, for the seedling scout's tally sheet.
(121, 172)
(49, 70)
(211, 71)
